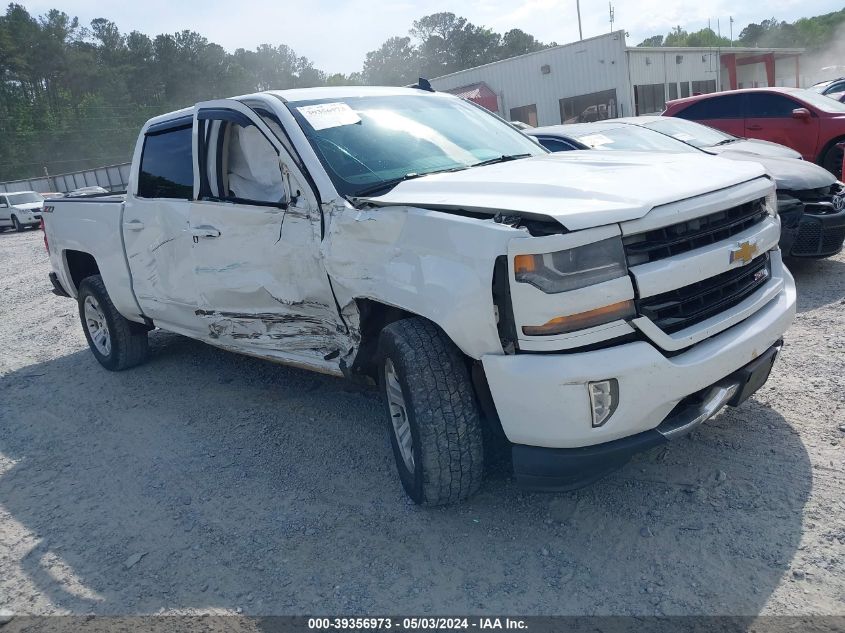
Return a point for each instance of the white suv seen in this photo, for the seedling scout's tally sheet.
(20, 209)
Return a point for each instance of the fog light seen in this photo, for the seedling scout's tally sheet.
(604, 397)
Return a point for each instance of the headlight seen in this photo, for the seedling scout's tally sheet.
(573, 268)
(772, 202)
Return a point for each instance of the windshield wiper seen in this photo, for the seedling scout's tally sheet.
(726, 141)
(387, 184)
(500, 159)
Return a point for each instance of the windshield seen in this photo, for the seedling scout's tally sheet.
(690, 132)
(24, 198)
(631, 138)
(364, 141)
(822, 102)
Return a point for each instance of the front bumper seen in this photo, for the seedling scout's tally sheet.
(542, 399)
(28, 219)
(819, 235)
(557, 469)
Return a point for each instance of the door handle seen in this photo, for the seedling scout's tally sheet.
(755, 127)
(204, 230)
(134, 225)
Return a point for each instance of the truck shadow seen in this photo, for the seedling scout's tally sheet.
(206, 480)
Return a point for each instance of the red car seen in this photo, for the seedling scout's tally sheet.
(810, 123)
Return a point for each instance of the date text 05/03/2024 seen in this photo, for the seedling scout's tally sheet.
(415, 623)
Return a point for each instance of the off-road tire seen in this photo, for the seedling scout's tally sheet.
(129, 345)
(17, 225)
(442, 410)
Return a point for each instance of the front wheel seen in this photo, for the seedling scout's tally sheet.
(16, 224)
(432, 414)
(116, 342)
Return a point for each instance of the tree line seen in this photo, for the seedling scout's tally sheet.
(814, 34)
(73, 96)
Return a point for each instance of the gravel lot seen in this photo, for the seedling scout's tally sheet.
(207, 482)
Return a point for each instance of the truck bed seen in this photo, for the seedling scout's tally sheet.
(85, 228)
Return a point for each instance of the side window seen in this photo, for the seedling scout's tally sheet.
(555, 145)
(166, 165)
(726, 107)
(765, 105)
(240, 163)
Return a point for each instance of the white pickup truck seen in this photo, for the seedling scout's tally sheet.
(584, 306)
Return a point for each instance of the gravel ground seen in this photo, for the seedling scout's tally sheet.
(207, 482)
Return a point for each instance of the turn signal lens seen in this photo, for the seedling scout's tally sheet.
(524, 264)
(582, 320)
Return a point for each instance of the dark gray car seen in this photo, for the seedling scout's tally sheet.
(811, 202)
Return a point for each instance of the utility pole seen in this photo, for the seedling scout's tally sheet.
(610, 6)
(732, 31)
(578, 8)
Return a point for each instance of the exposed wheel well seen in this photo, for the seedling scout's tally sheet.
(373, 317)
(80, 265)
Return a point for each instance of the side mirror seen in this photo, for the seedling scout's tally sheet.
(3, 205)
(802, 114)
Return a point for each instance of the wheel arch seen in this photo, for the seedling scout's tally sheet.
(79, 265)
(373, 317)
(828, 146)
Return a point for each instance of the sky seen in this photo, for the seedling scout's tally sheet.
(336, 34)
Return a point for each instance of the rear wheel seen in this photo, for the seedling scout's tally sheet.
(433, 419)
(16, 224)
(116, 342)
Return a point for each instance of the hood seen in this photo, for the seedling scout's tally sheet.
(789, 174)
(28, 206)
(755, 147)
(579, 189)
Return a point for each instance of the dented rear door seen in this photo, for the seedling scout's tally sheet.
(260, 281)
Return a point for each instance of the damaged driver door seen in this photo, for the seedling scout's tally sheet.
(261, 285)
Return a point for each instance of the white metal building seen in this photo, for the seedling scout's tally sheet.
(601, 77)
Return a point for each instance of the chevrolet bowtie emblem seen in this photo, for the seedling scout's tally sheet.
(745, 253)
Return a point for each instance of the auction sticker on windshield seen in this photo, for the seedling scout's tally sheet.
(322, 116)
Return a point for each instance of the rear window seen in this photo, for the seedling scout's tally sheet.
(555, 145)
(167, 169)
